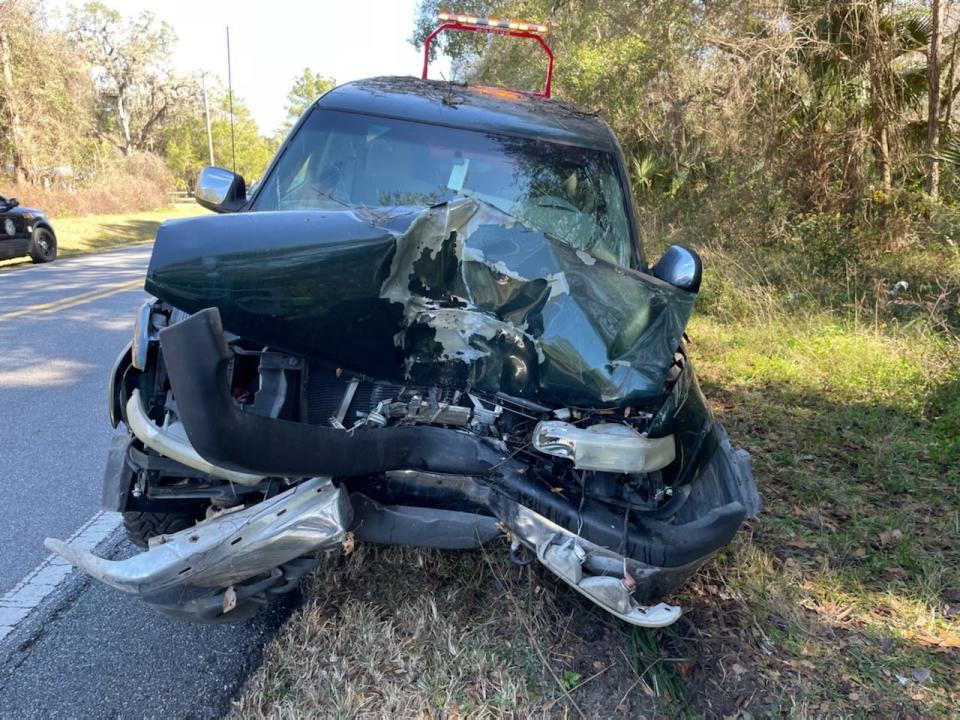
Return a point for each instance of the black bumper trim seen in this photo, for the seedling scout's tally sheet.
(197, 360)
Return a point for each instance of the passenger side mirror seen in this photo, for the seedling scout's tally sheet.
(681, 267)
(220, 190)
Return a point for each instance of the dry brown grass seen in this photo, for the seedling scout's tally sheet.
(138, 183)
(400, 632)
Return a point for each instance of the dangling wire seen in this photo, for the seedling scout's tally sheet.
(623, 540)
(583, 497)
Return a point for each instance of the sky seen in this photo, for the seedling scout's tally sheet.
(272, 41)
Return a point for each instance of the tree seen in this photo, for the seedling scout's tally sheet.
(184, 141)
(9, 17)
(307, 87)
(46, 97)
(933, 103)
(818, 102)
(130, 57)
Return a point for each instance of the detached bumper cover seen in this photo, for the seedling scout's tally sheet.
(197, 359)
(230, 548)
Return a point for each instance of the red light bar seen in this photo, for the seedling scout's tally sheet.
(493, 26)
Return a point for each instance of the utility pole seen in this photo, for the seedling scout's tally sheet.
(206, 111)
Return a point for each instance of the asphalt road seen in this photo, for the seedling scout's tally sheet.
(54, 362)
(86, 650)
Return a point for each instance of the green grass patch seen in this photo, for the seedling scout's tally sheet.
(856, 560)
(96, 233)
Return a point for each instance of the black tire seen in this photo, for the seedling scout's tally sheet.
(43, 246)
(141, 526)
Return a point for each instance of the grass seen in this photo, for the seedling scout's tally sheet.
(96, 233)
(841, 599)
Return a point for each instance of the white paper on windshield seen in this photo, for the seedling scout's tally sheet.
(458, 176)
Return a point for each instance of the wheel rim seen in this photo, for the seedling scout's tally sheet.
(44, 244)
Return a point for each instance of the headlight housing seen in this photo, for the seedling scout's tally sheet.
(141, 336)
(607, 447)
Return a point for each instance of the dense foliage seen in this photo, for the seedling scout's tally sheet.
(740, 116)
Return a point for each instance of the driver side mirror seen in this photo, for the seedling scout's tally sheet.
(681, 267)
(220, 190)
(12, 203)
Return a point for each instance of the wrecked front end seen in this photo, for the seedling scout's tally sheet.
(435, 378)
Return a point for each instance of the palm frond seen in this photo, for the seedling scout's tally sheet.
(645, 170)
(913, 30)
(950, 152)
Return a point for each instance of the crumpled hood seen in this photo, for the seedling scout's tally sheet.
(460, 294)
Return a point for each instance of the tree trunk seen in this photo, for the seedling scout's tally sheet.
(933, 104)
(951, 73)
(853, 180)
(124, 121)
(10, 105)
(883, 146)
(882, 113)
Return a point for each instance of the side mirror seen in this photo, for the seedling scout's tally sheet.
(12, 203)
(220, 190)
(681, 267)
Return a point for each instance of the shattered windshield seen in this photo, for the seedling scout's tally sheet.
(342, 159)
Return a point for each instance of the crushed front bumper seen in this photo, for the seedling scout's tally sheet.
(203, 572)
(414, 485)
(228, 549)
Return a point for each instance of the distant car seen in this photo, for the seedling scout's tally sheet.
(25, 231)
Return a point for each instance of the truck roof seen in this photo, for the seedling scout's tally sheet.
(472, 107)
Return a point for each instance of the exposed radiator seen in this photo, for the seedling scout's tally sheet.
(325, 391)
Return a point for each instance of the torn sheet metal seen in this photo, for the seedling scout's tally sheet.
(459, 294)
(608, 579)
(566, 558)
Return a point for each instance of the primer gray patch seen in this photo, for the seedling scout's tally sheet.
(17, 604)
(455, 328)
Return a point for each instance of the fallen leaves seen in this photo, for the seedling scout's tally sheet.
(887, 538)
(895, 573)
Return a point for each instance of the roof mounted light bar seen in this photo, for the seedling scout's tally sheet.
(492, 26)
(493, 23)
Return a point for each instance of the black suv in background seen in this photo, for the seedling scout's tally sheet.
(25, 231)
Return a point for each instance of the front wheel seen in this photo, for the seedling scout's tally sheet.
(141, 526)
(43, 246)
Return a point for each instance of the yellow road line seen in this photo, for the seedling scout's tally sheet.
(73, 301)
